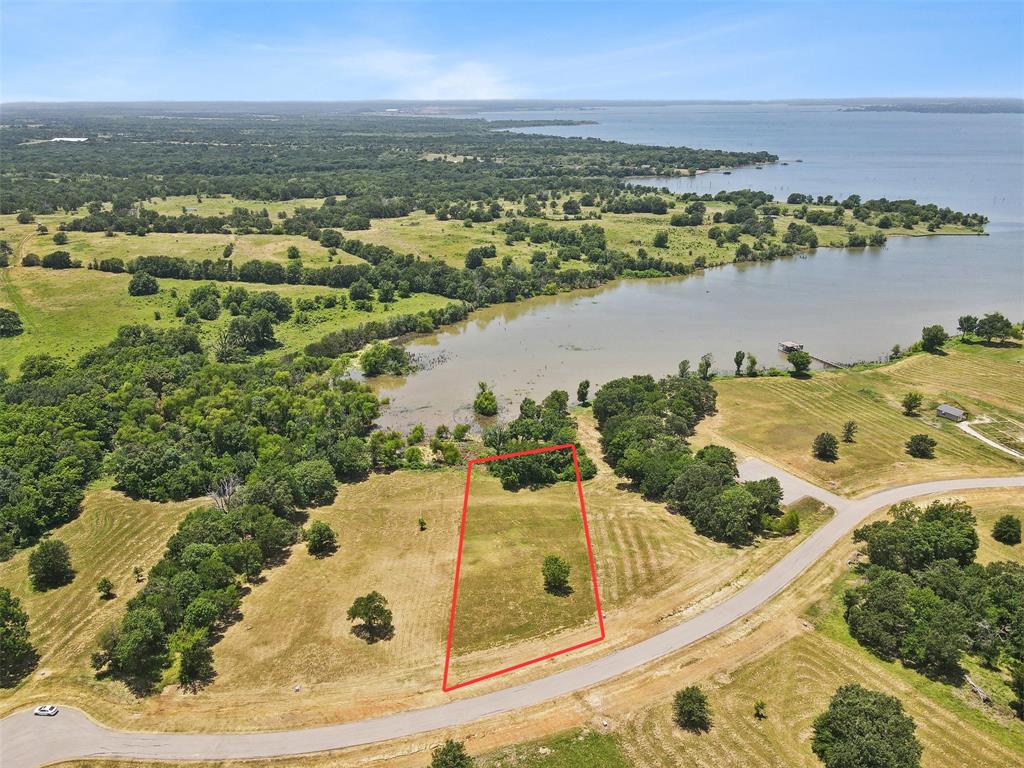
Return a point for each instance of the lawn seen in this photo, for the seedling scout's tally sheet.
(68, 312)
(777, 418)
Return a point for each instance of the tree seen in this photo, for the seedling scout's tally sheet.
(849, 430)
(921, 446)
(292, 252)
(933, 337)
(660, 239)
(738, 360)
(321, 540)
(1017, 687)
(106, 588)
(800, 360)
(825, 447)
(704, 367)
(571, 207)
(865, 729)
(59, 260)
(315, 483)
(10, 323)
(195, 659)
(485, 404)
(372, 609)
(451, 754)
(555, 571)
(994, 325)
(691, 711)
(143, 284)
(583, 392)
(967, 324)
(15, 641)
(60, 238)
(751, 365)
(911, 402)
(49, 565)
(1007, 530)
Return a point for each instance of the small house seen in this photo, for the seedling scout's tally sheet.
(949, 412)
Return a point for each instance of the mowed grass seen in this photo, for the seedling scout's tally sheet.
(501, 590)
(111, 536)
(779, 417)
(68, 312)
(575, 749)
(797, 679)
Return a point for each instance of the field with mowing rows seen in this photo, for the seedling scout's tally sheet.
(790, 412)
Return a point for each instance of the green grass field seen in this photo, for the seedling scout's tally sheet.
(68, 312)
(576, 749)
(790, 412)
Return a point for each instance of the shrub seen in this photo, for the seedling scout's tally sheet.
(451, 754)
(106, 588)
(485, 404)
(10, 323)
(691, 711)
(556, 574)
(1007, 530)
(59, 260)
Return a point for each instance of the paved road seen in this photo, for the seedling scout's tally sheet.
(966, 427)
(29, 742)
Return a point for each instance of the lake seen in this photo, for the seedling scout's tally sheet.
(843, 305)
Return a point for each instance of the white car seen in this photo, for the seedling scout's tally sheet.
(46, 710)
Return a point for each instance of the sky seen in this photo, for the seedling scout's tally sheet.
(142, 50)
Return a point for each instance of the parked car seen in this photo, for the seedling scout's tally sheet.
(45, 710)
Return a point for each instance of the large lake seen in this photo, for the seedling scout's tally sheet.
(843, 305)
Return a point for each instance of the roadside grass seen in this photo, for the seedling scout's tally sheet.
(68, 312)
(111, 536)
(779, 417)
(575, 749)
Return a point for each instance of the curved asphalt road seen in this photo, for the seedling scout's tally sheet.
(29, 742)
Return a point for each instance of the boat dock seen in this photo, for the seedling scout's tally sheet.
(795, 346)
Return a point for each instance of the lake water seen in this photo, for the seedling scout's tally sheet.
(843, 305)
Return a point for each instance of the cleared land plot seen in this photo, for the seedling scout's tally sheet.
(779, 417)
(68, 312)
(111, 536)
(501, 594)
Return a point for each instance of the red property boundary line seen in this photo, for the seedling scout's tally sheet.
(458, 570)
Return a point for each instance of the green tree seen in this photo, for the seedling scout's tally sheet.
(911, 402)
(800, 360)
(142, 284)
(10, 323)
(933, 337)
(704, 367)
(292, 252)
(571, 207)
(967, 324)
(49, 565)
(921, 446)
(372, 609)
(15, 641)
(451, 754)
(555, 571)
(738, 360)
(751, 365)
(583, 392)
(1017, 687)
(195, 659)
(994, 325)
(485, 403)
(865, 729)
(660, 239)
(849, 430)
(106, 588)
(1007, 530)
(60, 238)
(691, 711)
(825, 447)
(321, 540)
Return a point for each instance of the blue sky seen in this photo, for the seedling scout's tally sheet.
(289, 49)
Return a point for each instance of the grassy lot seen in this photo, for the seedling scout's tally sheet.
(67, 312)
(112, 535)
(576, 749)
(779, 417)
(501, 591)
(221, 205)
